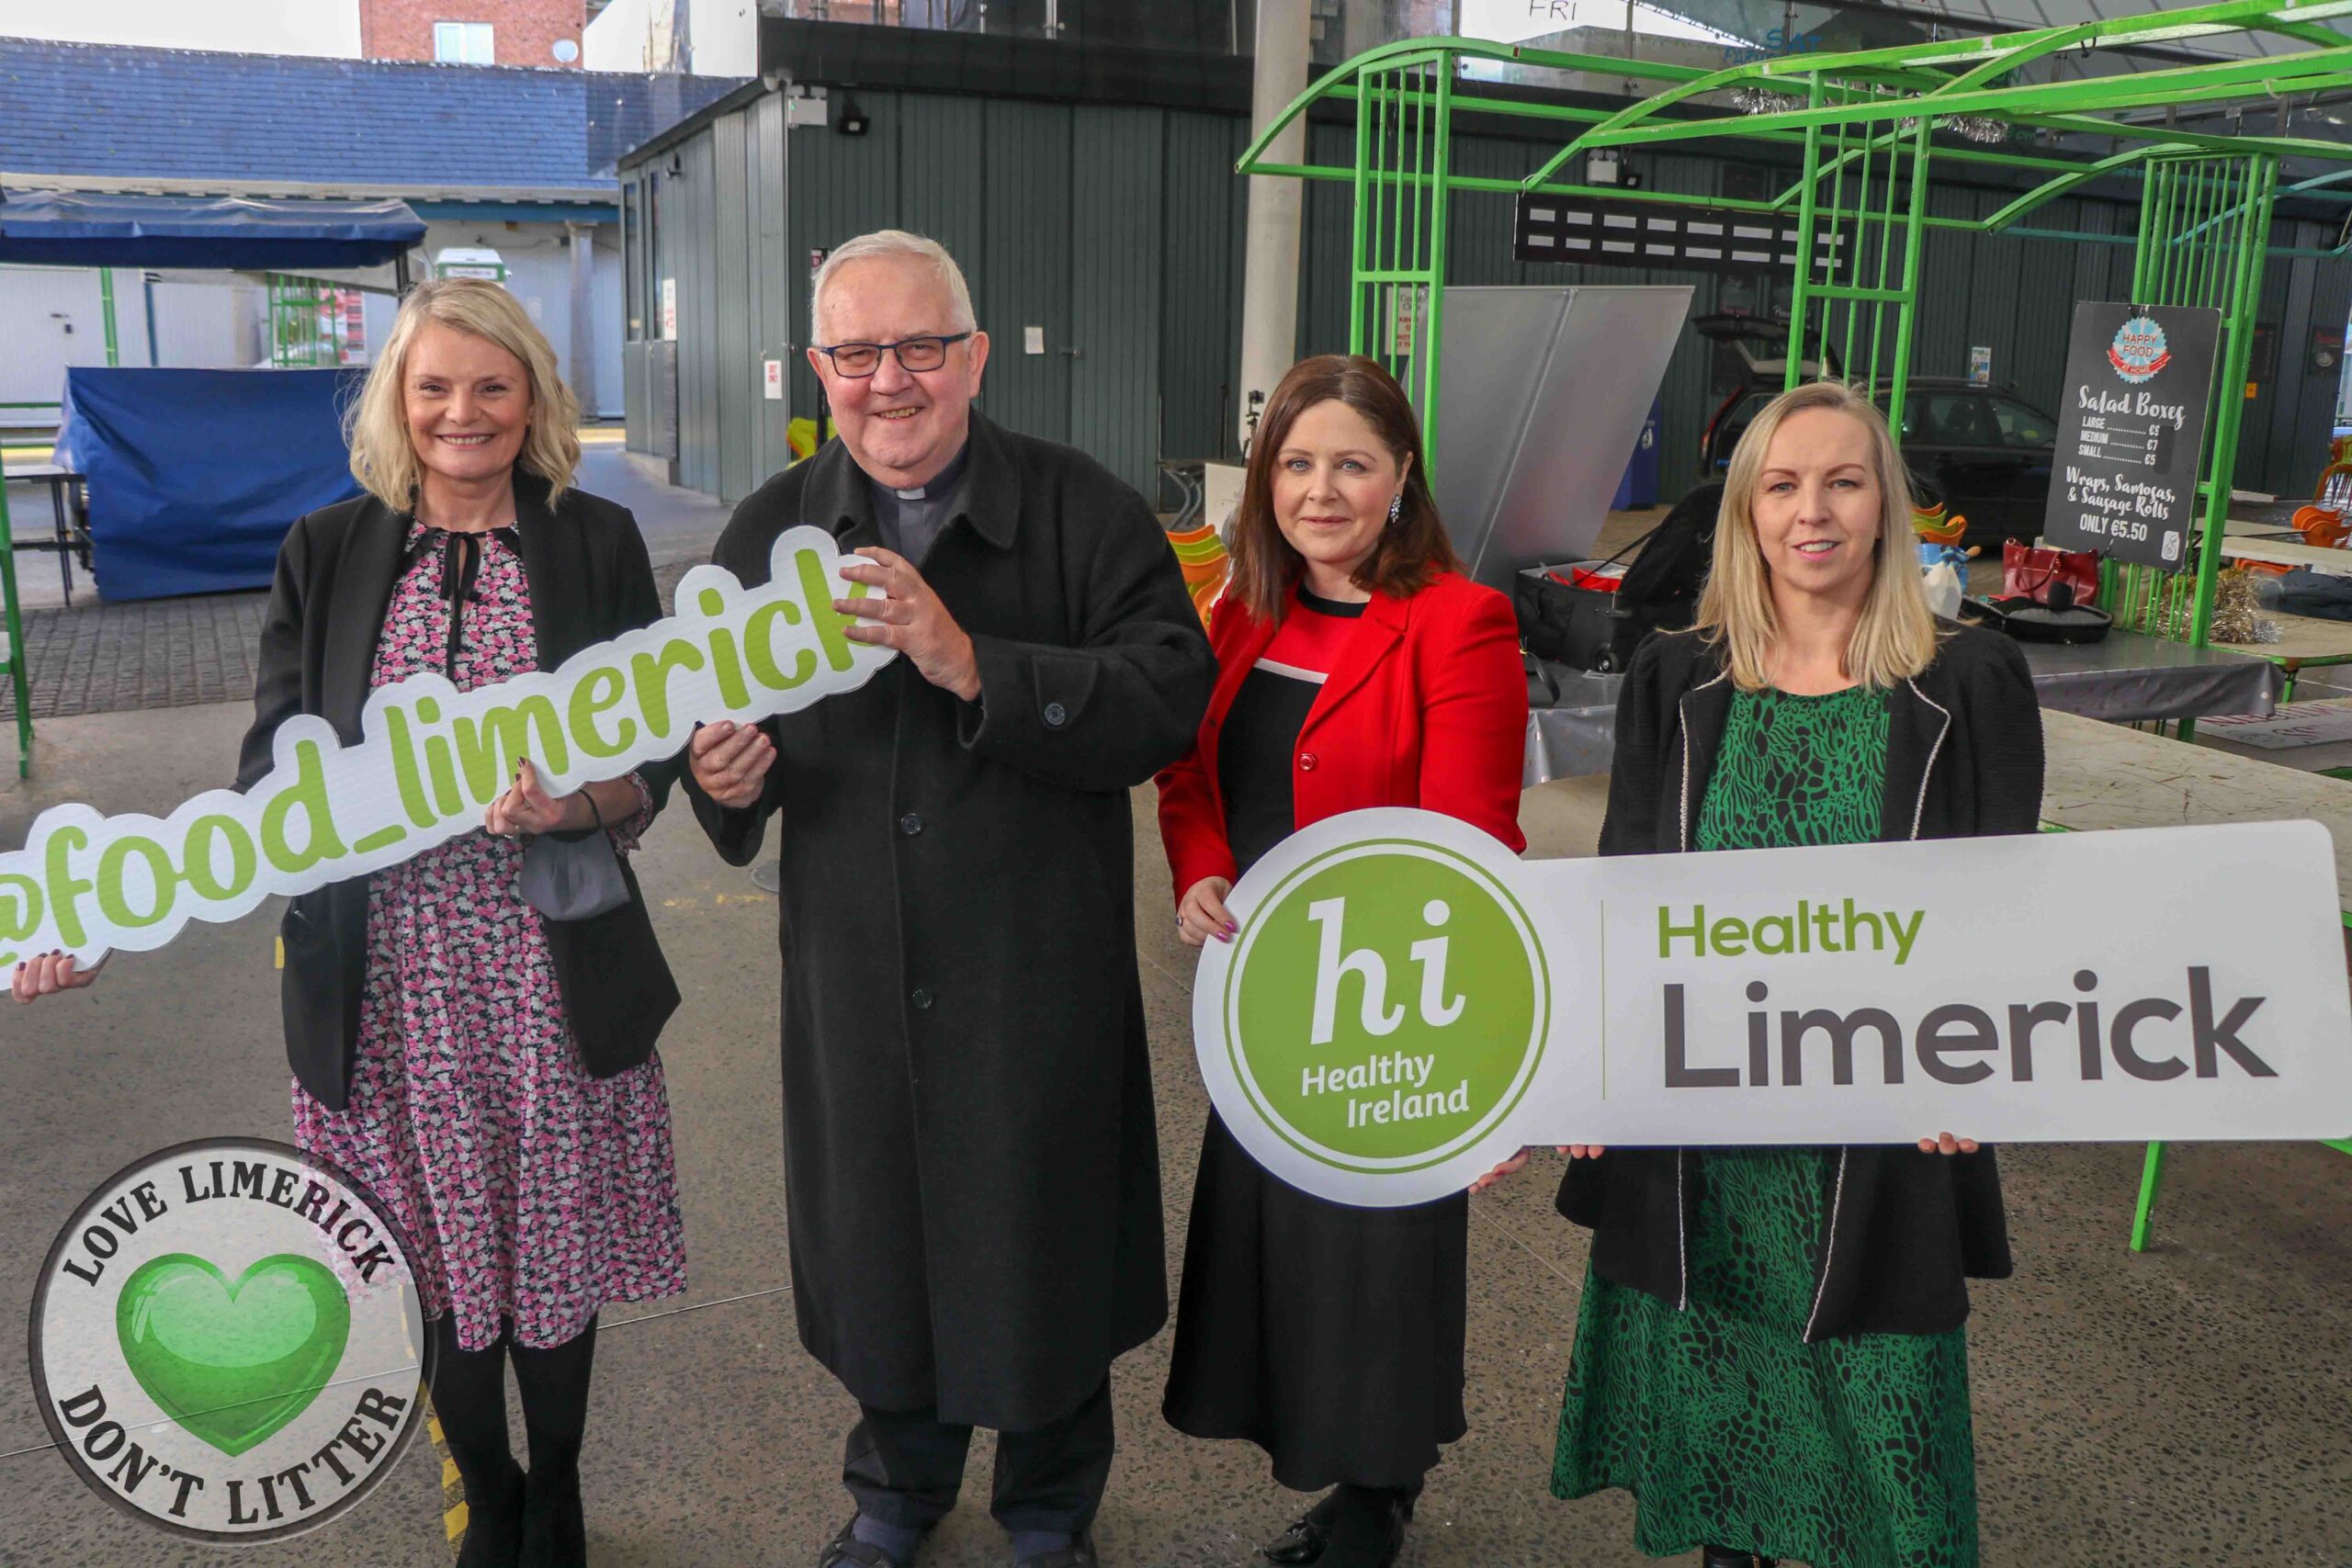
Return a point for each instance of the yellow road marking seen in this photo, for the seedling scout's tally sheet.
(453, 1496)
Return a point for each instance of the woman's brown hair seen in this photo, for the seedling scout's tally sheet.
(1412, 551)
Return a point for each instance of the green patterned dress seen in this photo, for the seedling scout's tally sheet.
(1726, 1426)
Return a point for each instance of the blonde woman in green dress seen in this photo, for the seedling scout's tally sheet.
(1769, 1354)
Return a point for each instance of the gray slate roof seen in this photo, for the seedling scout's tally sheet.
(168, 114)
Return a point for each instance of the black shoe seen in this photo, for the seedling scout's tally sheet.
(845, 1550)
(1351, 1527)
(554, 1522)
(494, 1521)
(1078, 1553)
(1724, 1557)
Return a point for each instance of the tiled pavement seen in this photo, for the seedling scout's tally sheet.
(148, 653)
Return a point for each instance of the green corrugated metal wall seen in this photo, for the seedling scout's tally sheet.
(1119, 232)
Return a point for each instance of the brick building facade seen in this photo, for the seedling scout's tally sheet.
(523, 32)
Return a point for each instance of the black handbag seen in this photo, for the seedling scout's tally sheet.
(573, 876)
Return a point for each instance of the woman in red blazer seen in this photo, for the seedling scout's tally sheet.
(1357, 667)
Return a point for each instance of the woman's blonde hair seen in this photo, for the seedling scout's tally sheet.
(1895, 638)
(383, 458)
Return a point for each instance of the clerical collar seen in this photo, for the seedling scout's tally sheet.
(941, 483)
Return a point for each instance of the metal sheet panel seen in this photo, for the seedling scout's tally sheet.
(943, 169)
(1023, 279)
(771, 318)
(737, 350)
(693, 234)
(1324, 239)
(1534, 443)
(1116, 168)
(1201, 293)
(841, 186)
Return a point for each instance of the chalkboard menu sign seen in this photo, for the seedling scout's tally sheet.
(2132, 431)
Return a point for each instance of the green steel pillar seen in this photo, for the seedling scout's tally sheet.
(106, 311)
(2244, 298)
(12, 620)
(1808, 220)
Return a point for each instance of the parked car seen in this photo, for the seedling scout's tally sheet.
(1984, 452)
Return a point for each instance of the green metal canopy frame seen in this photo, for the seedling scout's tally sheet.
(1864, 123)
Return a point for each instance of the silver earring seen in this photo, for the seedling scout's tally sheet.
(1396, 507)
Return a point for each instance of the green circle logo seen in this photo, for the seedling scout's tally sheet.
(1386, 1007)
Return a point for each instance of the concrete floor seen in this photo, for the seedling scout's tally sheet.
(2190, 1406)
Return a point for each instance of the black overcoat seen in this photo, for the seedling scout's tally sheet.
(1908, 1230)
(972, 1171)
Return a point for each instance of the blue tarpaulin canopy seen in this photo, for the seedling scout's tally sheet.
(78, 229)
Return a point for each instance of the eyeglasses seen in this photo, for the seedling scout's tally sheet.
(859, 360)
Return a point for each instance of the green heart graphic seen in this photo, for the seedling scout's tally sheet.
(232, 1363)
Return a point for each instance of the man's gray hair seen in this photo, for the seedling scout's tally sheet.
(895, 243)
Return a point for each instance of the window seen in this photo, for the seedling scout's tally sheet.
(463, 43)
(1946, 419)
(2023, 426)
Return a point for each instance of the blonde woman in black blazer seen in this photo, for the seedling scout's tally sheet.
(489, 1072)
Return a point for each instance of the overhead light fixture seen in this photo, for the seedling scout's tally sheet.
(853, 120)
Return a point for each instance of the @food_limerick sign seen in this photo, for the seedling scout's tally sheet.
(432, 759)
(228, 1341)
(1406, 1004)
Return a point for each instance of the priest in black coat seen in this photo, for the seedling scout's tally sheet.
(973, 1180)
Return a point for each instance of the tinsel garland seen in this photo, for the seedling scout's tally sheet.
(2237, 613)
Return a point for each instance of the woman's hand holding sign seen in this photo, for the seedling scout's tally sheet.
(1203, 914)
(911, 619)
(49, 973)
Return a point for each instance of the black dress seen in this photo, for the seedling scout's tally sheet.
(1328, 1336)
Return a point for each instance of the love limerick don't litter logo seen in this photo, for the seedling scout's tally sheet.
(228, 1340)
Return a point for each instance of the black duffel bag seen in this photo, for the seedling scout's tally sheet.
(1595, 629)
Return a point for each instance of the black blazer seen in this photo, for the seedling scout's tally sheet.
(590, 581)
(1963, 759)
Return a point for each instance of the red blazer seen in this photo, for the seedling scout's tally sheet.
(1427, 708)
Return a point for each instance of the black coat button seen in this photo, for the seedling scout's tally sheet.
(1056, 716)
(910, 824)
(923, 998)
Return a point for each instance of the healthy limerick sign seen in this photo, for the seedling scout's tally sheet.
(1406, 1004)
(432, 759)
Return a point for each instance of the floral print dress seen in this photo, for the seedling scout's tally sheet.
(531, 1192)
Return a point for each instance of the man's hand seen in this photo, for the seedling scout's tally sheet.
(730, 762)
(911, 620)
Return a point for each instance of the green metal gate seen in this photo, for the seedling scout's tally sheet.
(2204, 225)
(1403, 157)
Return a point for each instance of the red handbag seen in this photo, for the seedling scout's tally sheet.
(2032, 571)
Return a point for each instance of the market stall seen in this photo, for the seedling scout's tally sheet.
(1865, 131)
(179, 486)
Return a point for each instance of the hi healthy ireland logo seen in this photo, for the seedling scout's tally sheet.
(228, 1341)
(1386, 1006)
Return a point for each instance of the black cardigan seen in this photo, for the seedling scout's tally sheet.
(590, 581)
(1963, 759)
